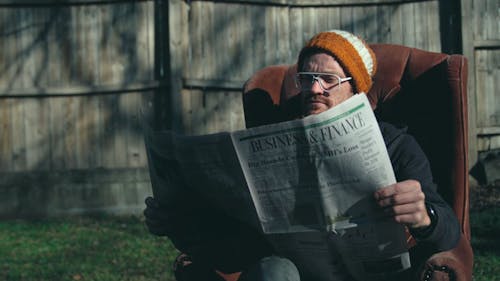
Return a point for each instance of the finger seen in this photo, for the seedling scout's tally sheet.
(412, 219)
(414, 196)
(399, 187)
(151, 202)
(407, 219)
(406, 209)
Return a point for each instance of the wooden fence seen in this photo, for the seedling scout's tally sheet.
(481, 40)
(73, 76)
(216, 46)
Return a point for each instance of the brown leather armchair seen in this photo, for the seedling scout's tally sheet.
(423, 90)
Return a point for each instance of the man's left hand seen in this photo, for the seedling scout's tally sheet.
(405, 202)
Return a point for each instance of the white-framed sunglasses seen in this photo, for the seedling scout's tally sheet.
(327, 81)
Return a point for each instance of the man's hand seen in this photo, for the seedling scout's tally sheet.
(158, 221)
(405, 202)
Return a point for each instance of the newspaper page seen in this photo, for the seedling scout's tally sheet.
(318, 174)
(207, 165)
(307, 184)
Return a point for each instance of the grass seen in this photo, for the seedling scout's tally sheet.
(111, 248)
(83, 249)
(485, 229)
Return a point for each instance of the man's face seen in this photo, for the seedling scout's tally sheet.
(314, 99)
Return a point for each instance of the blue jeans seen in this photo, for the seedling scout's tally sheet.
(271, 268)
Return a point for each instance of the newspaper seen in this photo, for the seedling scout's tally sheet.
(307, 184)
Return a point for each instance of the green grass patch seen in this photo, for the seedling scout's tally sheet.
(485, 230)
(83, 249)
(121, 249)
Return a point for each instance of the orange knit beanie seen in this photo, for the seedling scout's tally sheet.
(352, 53)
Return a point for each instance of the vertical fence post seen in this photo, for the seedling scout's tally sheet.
(450, 26)
(162, 102)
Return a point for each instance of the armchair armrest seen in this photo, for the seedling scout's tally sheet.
(455, 264)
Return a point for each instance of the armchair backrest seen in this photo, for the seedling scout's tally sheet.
(425, 91)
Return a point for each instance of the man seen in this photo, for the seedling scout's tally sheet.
(332, 67)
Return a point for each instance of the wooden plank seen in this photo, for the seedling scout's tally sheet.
(492, 18)
(358, 22)
(188, 112)
(90, 67)
(52, 3)
(431, 18)
(108, 129)
(481, 73)
(178, 42)
(297, 38)
(487, 87)
(19, 161)
(70, 134)
(322, 19)
(468, 50)
(479, 14)
(49, 92)
(30, 64)
(307, 3)
(487, 143)
(408, 23)
(346, 16)
(218, 108)
(196, 21)
(199, 105)
(276, 48)
(236, 115)
(396, 23)
(483, 44)
(84, 128)
(95, 132)
(215, 104)
(4, 46)
(383, 24)
(73, 192)
(57, 134)
(286, 54)
(225, 41)
(113, 53)
(36, 131)
(135, 141)
(49, 70)
(371, 29)
(146, 41)
(119, 119)
(259, 30)
(11, 49)
(194, 122)
(21, 43)
(107, 125)
(488, 131)
(215, 31)
(420, 36)
(58, 49)
(6, 133)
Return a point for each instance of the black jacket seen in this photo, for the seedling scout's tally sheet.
(220, 241)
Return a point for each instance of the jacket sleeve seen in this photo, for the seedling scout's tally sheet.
(211, 237)
(228, 244)
(410, 162)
